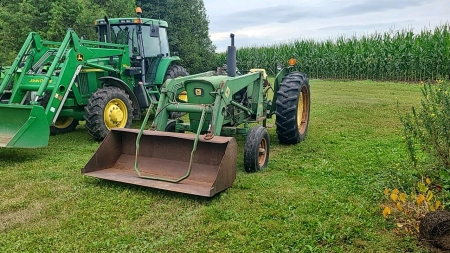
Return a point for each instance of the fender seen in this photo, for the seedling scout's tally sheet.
(119, 83)
(162, 68)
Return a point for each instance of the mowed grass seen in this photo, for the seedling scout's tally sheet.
(323, 195)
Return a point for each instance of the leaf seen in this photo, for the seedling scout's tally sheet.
(386, 191)
(437, 205)
(402, 197)
(422, 187)
(428, 181)
(420, 199)
(399, 206)
(386, 212)
(394, 197)
(429, 195)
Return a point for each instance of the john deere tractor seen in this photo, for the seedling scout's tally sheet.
(199, 156)
(51, 86)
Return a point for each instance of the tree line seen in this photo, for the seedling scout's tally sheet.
(188, 24)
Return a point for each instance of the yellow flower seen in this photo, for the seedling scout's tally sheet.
(420, 199)
(399, 206)
(395, 191)
(386, 212)
(386, 191)
(428, 181)
(394, 197)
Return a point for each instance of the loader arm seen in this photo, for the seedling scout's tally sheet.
(49, 68)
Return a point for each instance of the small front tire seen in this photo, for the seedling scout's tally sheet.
(64, 125)
(256, 151)
(107, 108)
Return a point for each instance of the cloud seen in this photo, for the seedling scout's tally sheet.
(371, 6)
(266, 22)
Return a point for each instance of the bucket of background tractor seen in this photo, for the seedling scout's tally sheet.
(23, 126)
(166, 155)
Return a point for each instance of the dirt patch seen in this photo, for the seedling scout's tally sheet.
(19, 217)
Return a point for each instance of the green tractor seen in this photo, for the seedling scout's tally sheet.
(51, 86)
(198, 156)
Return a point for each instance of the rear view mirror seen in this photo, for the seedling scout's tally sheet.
(154, 31)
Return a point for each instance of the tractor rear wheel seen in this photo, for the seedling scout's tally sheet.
(175, 71)
(107, 108)
(63, 125)
(256, 151)
(293, 103)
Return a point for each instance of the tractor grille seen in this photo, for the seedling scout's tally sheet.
(83, 85)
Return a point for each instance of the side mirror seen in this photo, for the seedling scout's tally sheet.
(154, 31)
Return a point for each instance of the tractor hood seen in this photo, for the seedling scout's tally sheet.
(198, 90)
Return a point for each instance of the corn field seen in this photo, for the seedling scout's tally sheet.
(400, 55)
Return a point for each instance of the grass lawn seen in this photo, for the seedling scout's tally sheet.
(323, 195)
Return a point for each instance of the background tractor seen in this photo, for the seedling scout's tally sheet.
(51, 86)
(219, 104)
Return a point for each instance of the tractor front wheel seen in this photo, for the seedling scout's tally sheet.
(293, 102)
(175, 71)
(64, 125)
(256, 151)
(108, 107)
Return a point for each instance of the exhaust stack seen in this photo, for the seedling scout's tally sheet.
(231, 58)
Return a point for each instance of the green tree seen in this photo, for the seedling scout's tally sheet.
(51, 19)
(188, 31)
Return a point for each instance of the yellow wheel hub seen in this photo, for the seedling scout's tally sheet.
(262, 152)
(115, 114)
(63, 122)
(302, 110)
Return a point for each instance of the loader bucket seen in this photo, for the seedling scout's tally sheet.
(166, 155)
(23, 126)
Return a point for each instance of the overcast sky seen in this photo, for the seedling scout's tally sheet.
(265, 22)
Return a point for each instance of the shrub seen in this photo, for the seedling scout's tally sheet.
(428, 127)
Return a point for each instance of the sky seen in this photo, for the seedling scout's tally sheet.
(266, 22)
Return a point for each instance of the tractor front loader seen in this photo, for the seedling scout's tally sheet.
(51, 86)
(220, 105)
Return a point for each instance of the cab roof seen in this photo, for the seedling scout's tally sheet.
(124, 21)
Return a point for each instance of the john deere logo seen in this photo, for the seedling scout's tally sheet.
(227, 92)
(80, 57)
(198, 91)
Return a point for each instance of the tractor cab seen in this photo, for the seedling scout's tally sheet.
(126, 31)
(147, 42)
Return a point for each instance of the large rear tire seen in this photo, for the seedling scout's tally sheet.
(175, 71)
(293, 106)
(107, 108)
(256, 151)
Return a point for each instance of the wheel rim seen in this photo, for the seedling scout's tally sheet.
(262, 152)
(63, 122)
(115, 114)
(302, 110)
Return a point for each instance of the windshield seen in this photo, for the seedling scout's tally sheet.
(126, 34)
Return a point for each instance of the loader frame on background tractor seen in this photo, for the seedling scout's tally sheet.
(51, 86)
(219, 104)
